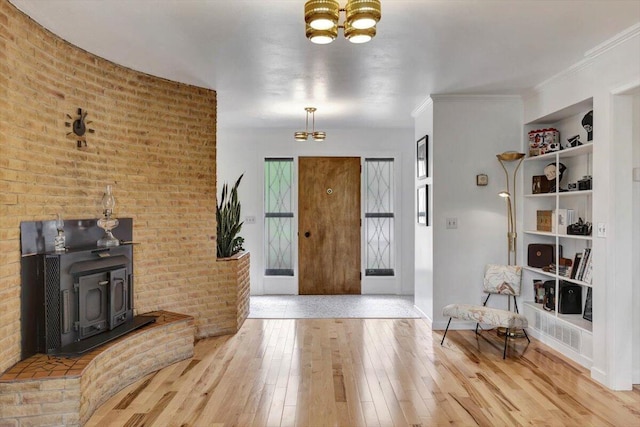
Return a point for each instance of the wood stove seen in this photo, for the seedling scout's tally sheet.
(78, 299)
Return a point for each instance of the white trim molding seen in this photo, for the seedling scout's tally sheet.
(423, 106)
(614, 41)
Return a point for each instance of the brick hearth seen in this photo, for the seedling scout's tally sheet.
(48, 390)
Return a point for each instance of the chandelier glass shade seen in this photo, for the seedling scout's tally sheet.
(317, 135)
(363, 14)
(322, 14)
(322, 36)
(322, 20)
(358, 35)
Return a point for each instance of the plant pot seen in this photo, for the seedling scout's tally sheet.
(233, 287)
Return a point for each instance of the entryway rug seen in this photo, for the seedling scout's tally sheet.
(332, 306)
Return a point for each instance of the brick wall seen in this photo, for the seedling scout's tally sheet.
(154, 141)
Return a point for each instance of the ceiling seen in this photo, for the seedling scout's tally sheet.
(255, 55)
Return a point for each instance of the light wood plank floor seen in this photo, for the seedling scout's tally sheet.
(367, 372)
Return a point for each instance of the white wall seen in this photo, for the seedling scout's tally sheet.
(608, 69)
(467, 133)
(423, 248)
(244, 150)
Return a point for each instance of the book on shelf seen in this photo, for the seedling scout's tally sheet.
(582, 269)
(588, 307)
(576, 264)
(586, 254)
(588, 271)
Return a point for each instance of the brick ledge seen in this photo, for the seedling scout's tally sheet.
(57, 390)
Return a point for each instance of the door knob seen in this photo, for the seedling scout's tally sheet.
(307, 234)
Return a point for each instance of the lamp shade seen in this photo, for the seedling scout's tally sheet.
(300, 136)
(362, 14)
(319, 135)
(358, 35)
(322, 36)
(509, 156)
(321, 14)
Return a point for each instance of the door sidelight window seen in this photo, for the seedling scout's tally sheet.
(379, 217)
(278, 221)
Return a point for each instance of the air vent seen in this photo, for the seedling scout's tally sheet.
(557, 329)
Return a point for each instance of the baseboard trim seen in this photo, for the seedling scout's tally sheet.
(423, 315)
(600, 376)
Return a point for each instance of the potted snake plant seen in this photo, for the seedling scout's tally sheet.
(229, 224)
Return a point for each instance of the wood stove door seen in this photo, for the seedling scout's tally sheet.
(119, 302)
(92, 303)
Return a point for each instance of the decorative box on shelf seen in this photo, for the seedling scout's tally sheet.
(543, 141)
(554, 221)
(543, 220)
(540, 184)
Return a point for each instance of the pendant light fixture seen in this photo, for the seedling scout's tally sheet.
(315, 134)
(322, 16)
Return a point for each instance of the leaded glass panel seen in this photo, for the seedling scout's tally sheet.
(278, 217)
(379, 217)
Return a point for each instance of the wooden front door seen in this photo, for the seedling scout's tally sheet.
(329, 225)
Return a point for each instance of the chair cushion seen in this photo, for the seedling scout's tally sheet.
(502, 279)
(480, 314)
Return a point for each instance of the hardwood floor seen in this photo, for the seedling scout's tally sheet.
(367, 372)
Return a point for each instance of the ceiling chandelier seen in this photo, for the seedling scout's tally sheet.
(321, 18)
(315, 134)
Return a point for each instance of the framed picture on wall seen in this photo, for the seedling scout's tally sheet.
(426, 204)
(422, 205)
(422, 157)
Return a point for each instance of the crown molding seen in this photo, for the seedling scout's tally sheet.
(473, 97)
(614, 41)
(423, 106)
(589, 57)
(461, 98)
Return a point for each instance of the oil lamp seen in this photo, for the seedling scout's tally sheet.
(107, 223)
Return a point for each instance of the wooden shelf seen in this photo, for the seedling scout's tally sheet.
(564, 154)
(553, 276)
(540, 271)
(561, 194)
(575, 193)
(540, 233)
(562, 236)
(575, 236)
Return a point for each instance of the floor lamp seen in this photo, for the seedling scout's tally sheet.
(507, 158)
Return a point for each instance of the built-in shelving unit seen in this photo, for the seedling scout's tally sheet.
(569, 333)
